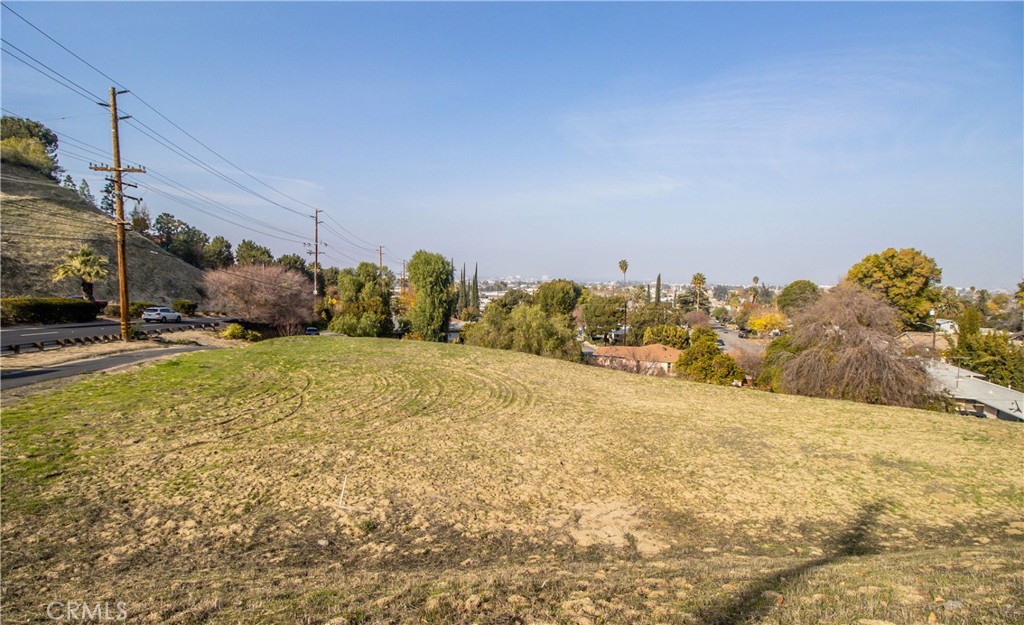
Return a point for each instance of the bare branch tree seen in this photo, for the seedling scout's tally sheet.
(268, 295)
(846, 349)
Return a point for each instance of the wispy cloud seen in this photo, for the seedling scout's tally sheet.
(783, 118)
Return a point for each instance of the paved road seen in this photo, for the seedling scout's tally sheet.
(14, 379)
(734, 343)
(31, 334)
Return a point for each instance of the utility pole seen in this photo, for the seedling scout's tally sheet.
(316, 255)
(119, 220)
(380, 258)
(402, 287)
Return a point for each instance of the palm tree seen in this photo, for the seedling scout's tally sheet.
(85, 264)
(698, 281)
(623, 266)
(753, 290)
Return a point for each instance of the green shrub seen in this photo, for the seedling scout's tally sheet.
(237, 332)
(669, 335)
(234, 332)
(46, 310)
(134, 309)
(28, 152)
(187, 308)
(703, 362)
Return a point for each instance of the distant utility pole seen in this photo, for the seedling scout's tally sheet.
(380, 258)
(119, 221)
(316, 255)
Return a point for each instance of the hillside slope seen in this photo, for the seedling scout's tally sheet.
(330, 479)
(42, 222)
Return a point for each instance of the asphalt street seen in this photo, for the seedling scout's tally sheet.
(733, 342)
(30, 334)
(14, 379)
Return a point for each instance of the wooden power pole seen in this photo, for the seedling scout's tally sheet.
(380, 258)
(119, 220)
(316, 256)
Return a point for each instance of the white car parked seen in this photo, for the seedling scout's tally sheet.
(161, 314)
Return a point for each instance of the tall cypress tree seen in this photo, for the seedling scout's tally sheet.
(657, 291)
(463, 301)
(474, 295)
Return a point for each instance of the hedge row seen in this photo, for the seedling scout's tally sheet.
(134, 309)
(46, 310)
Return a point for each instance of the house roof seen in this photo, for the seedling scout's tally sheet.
(964, 384)
(648, 353)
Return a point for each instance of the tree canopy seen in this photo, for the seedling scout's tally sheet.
(905, 278)
(603, 314)
(29, 143)
(557, 297)
(796, 295)
(268, 295)
(181, 239)
(364, 301)
(217, 254)
(843, 347)
(248, 253)
(431, 277)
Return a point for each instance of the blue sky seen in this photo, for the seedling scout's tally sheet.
(784, 140)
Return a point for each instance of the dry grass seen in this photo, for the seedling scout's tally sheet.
(490, 486)
(43, 222)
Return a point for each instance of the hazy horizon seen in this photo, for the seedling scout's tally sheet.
(784, 140)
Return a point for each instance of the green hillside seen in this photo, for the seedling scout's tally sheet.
(42, 222)
(496, 487)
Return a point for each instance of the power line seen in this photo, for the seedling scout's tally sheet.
(152, 108)
(174, 147)
(64, 81)
(338, 223)
(349, 241)
(179, 186)
(167, 143)
(194, 207)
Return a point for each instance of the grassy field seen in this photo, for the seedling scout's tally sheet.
(495, 487)
(43, 222)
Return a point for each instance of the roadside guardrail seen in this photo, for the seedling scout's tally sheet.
(20, 348)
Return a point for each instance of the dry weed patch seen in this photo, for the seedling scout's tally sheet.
(489, 486)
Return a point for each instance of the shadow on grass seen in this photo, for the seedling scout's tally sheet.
(856, 540)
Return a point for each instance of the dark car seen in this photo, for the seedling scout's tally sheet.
(743, 334)
(311, 331)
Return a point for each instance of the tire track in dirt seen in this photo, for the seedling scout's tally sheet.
(503, 391)
(252, 413)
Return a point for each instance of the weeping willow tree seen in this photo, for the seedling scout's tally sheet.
(843, 347)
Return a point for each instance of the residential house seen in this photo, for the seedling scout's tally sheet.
(976, 396)
(656, 359)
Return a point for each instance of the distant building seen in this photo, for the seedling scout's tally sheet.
(656, 359)
(976, 396)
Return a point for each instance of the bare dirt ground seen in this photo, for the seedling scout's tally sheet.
(338, 480)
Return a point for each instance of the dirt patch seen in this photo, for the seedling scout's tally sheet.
(614, 524)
